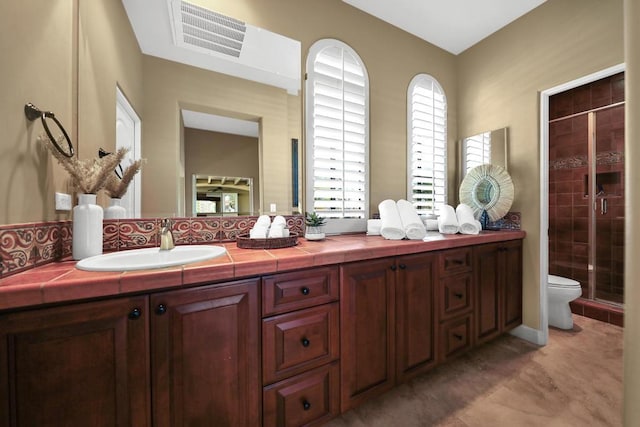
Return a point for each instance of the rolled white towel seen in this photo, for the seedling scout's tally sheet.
(431, 224)
(258, 232)
(466, 221)
(411, 222)
(279, 219)
(391, 227)
(276, 230)
(373, 227)
(263, 220)
(447, 221)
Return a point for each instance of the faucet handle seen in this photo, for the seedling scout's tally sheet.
(165, 222)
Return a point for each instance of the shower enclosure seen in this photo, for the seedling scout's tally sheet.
(586, 187)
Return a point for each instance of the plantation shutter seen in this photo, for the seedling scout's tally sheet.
(427, 183)
(339, 126)
(476, 151)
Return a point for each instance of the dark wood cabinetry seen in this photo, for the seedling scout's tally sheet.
(301, 347)
(388, 332)
(205, 356)
(82, 364)
(498, 278)
(287, 349)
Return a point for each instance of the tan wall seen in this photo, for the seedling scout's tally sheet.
(222, 154)
(632, 195)
(499, 84)
(392, 57)
(37, 45)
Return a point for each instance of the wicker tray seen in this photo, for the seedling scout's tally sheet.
(243, 241)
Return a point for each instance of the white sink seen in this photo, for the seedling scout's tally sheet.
(142, 259)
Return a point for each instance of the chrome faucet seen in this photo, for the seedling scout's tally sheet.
(166, 237)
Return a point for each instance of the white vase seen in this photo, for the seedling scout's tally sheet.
(314, 233)
(115, 210)
(87, 227)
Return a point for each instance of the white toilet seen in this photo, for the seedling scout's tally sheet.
(560, 292)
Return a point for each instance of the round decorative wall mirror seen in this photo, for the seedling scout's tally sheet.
(487, 188)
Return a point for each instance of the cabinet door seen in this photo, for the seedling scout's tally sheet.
(205, 356)
(76, 365)
(415, 314)
(511, 284)
(367, 335)
(486, 270)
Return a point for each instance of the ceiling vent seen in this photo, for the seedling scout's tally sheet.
(204, 29)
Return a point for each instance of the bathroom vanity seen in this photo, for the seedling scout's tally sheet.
(289, 336)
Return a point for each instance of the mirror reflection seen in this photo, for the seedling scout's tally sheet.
(222, 195)
(485, 147)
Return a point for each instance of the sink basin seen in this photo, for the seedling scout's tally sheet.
(142, 259)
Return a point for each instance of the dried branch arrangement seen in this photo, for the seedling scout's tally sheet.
(116, 187)
(90, 175)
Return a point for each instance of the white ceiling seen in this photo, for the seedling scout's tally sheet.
(453, 25)
(197, 120)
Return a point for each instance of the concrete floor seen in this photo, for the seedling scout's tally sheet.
(575, 380)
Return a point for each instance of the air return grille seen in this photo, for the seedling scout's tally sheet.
(205, 29)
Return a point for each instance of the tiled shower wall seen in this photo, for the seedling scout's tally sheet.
(569, 210)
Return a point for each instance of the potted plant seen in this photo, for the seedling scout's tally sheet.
(314, 224)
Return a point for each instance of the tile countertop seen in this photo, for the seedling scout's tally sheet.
(61, 282)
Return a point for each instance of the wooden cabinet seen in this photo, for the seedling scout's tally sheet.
(79, 364)
(415, 314)
(205, 356)
(455, 302)
(388, 333)
(498, 282)
(301, 347)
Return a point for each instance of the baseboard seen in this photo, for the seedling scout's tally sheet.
(527, 333)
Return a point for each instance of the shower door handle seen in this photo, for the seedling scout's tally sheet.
(603, 206)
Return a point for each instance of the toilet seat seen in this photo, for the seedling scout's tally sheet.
(562, 282)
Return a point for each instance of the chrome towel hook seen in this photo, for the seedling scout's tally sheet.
(32, 113)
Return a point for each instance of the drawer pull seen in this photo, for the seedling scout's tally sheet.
(306, 405)
(458, 337)
(458, 295)
(458, 261)
(304, 291)
(135, 314)
(305, 342)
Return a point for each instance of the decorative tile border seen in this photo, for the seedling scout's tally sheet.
(511, 221)
(25, 246)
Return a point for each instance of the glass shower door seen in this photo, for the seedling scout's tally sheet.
(607, 204)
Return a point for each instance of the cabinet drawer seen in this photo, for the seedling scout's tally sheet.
(455, 295)
(300, 289)
(455, 261)
(294, 342)
(455, 337)
(308, 399)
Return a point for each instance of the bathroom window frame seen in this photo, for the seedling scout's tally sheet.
(426, 146)
(336, 222)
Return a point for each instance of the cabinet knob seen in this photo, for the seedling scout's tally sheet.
(458, 336)
(135, 313)
(161, 309)
(306, 405)
(305, 342)
(305, 291)
(402, 266)
(458, 295)
(393, 267)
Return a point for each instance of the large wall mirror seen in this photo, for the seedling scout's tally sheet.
(490, 147)
(166, 81)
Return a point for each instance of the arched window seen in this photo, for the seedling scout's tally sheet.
(427, 144)
(337, 139)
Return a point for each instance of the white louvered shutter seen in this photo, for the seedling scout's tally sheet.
(338, 139)
(476, 151)
(427, 154)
